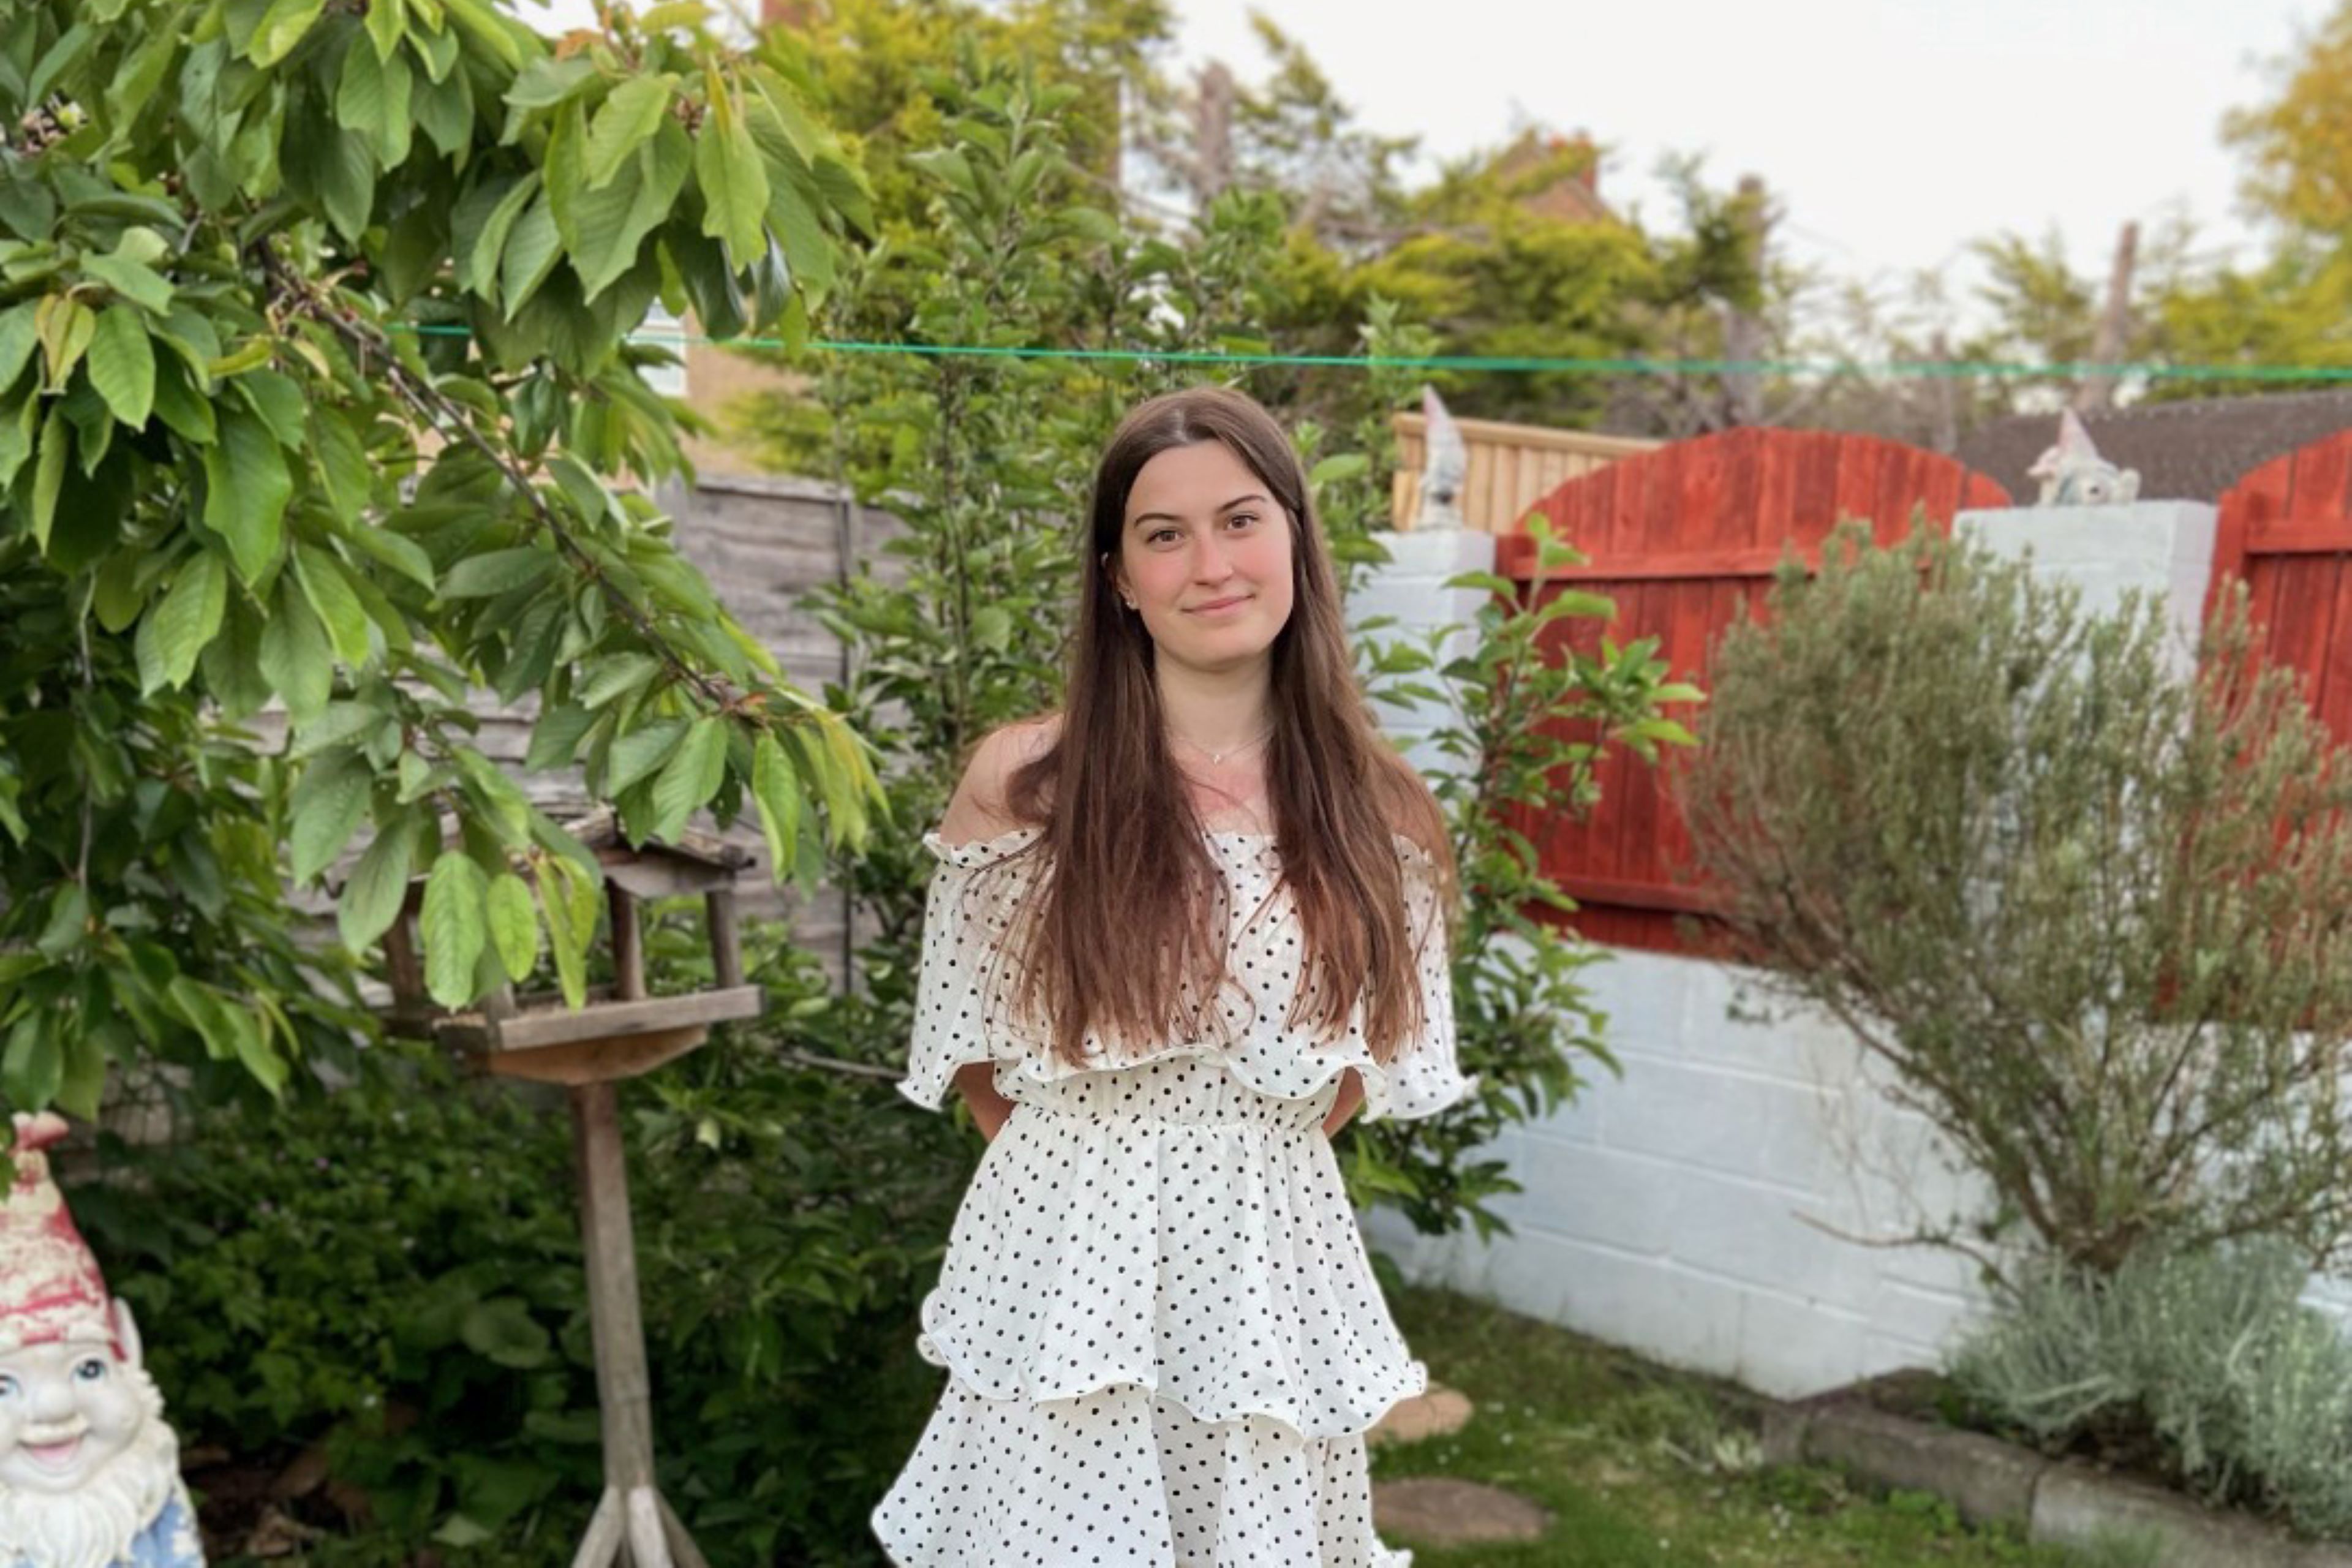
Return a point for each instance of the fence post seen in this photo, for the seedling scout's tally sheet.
(2163, 548)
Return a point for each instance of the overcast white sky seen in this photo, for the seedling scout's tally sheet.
(1893, 130)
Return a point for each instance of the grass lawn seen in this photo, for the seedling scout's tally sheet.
(1643, 1467)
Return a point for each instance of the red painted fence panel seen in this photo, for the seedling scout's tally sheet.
(1681, 538)
(2286, 530)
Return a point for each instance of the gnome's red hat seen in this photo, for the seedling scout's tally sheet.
(50, 1288)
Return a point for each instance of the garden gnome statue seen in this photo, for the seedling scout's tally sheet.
(1444, 468)
(2073, 473)
(89, 1474)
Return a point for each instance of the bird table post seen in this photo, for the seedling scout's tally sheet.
(620, 1033)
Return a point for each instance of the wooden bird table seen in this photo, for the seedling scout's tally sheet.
(621, 1033)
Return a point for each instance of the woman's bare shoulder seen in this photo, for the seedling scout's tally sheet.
(979, 808)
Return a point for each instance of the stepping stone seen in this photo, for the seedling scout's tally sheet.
(1437, 1511)
(1432, 1414)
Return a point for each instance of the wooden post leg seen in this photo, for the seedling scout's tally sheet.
(681, 1545)
(601, 1547)
(646, 1547)
(623, 1388)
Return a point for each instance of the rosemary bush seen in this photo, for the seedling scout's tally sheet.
(2089, 913)
(2246, 1392)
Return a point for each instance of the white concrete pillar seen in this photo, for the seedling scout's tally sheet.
(2164, 549)
(1411, 586)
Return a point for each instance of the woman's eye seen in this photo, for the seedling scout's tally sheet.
(1159, 534)
(1243, 517)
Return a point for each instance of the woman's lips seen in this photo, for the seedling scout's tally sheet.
(1220, 605)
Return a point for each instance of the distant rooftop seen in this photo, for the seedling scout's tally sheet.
(2184, 451)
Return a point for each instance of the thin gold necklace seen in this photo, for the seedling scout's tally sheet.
(1216, 759)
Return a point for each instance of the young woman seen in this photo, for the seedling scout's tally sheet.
(1180, 932)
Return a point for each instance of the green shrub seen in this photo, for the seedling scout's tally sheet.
(2090, 914)
(2245, 1391)
(392, 1270)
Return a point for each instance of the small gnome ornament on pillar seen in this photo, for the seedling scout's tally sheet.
(89, 1473)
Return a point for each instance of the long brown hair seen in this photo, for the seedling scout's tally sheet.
(1128, 923)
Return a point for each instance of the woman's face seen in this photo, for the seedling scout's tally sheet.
(1204, 556)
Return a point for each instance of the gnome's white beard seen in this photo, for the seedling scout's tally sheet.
(94, 1527)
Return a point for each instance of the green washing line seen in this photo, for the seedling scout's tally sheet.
(1999, 369)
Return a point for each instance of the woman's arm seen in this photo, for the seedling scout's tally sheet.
(976, 1081)
(1351, 1095)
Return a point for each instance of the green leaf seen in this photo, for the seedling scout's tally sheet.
(621, 673)
(637, 754)
(569, 895)
(514, 924)
(777, 792)
(19, 336)
(326, 809)
(613, 222)
(372, 100)
(345, 472)
(176, 630)
(630, 114)
(555, 741)
(83, 1090)
(691, 777)
(454, 927)
(346, 170)
(403, 555)
(502, 1330)
(327, 584)
(479, 230)
(50, 473)
(178, 404)
(66, 326)
(296, 658)
(734, 185)
(274, 396)
(499, 572)
(386, 20)
(282, 27)
(341, 723)
(67, 925)
(34, 1064)
(133, 280)
(550, 80)
(379, 883)
(123, 366)
(531, 253)
(246, 486)
(17, 427)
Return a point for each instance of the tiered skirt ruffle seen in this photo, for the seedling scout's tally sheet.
(1163, 1341)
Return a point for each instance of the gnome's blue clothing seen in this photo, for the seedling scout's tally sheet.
(170, 1539)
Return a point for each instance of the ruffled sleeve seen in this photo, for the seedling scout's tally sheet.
(1426, 1076)
(958, 989)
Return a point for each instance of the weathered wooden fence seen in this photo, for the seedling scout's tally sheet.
(1511, 467)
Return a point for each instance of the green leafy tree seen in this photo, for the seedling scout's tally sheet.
(314, 398)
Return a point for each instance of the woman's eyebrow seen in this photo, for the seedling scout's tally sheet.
(1142, 518)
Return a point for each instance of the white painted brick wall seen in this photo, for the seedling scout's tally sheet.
(1686, 1209)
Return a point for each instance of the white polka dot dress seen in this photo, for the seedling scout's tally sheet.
(1163, 1339)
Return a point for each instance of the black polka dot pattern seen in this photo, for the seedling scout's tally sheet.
(1163, 1341)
